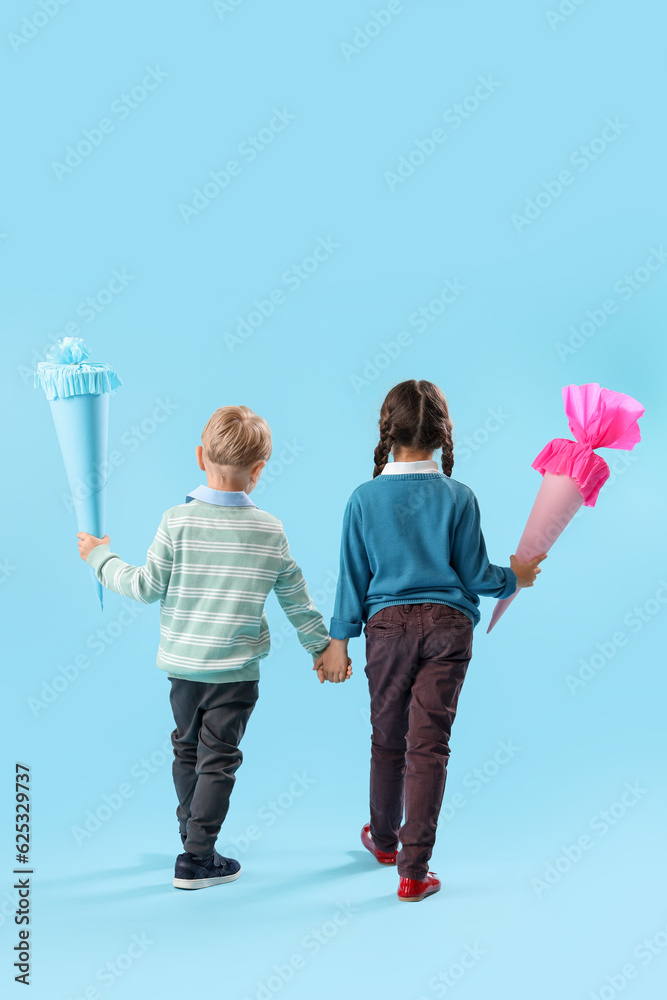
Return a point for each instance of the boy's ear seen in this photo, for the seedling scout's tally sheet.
(255, 473)
(199, 452)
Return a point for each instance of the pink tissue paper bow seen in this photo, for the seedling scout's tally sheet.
(572, 473)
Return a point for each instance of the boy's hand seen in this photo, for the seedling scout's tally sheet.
(335, 679)
(526, 573)
(88, 542)
(334, 664)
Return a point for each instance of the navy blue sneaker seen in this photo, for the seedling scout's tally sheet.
(200, 873)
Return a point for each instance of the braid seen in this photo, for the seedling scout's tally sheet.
(383, 449)
(415, 415)
(447, 448)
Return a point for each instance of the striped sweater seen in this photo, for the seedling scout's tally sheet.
(212, 568)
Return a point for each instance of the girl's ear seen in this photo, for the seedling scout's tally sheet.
(199, 452)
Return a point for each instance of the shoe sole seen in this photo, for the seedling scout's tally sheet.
(203, 883)
(418, 899)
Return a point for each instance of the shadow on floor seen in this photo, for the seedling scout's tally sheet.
(282, 883)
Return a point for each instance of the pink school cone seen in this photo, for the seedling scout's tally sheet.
(558, 500)
(572, 473)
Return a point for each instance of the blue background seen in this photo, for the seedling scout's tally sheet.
(317, 370)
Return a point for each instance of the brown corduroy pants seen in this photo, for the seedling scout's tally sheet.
(416, 661)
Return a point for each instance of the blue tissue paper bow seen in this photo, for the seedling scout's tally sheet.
(67, 372)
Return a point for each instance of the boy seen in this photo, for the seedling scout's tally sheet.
(212, 564)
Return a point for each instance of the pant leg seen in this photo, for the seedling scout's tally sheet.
(225, 711)
(446, 650)
(185, 697)
(391, 660)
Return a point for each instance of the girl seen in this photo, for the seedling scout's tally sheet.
(413, 564)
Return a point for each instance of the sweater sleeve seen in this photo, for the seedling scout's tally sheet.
(470, 561)
(145, 584)
(353, 578)
(293, 596)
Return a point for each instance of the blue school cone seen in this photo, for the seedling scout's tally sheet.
(78, 395)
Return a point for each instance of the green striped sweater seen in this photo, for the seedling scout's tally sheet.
(212, 568)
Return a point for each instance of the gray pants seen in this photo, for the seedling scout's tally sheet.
(210, 722)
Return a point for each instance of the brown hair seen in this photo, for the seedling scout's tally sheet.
(415, 415)
(237, 437)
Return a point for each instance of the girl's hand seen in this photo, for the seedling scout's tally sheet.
(330, 666)
(526, 573)
(88, 542)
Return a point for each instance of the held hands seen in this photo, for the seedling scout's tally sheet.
(88, 542)
(526, 573)
(334, 664)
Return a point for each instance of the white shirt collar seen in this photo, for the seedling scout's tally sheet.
(222, 498)
(403, 468)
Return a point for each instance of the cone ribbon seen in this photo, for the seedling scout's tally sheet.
(572, 473)
(78, 395)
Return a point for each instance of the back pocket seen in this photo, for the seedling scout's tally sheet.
(451, 617)
(383, 629)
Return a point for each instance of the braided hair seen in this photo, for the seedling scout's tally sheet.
(415, 415)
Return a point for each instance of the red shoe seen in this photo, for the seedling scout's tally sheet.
(384, 857)
(413, 890)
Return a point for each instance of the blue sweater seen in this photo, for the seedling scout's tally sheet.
(414, 538)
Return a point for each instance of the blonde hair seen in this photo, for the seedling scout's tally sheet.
(235, 436)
